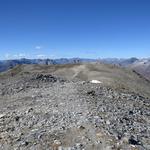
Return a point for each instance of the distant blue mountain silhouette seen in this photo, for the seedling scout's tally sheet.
(8, 64)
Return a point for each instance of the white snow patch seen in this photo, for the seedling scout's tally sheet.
(95, 81)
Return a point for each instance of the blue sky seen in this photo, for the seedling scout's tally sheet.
(74, 28)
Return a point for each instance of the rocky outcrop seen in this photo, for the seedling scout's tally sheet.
(37, 111)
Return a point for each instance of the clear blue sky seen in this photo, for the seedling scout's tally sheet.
(74, 28)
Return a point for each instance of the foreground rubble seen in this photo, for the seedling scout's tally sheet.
(44, 112)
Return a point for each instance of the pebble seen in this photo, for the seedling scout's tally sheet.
(2, 115)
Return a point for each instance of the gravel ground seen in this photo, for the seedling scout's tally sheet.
(44, 112)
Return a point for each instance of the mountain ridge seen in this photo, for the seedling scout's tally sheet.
(141, 66)
(58, 107)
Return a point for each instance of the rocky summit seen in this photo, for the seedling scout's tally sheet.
(45, 110)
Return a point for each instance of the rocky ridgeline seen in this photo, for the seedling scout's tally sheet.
(53, 114)
(45, 78)
(25, 83)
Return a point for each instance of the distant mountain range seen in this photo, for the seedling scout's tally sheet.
(141, 66)
(8, 64)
